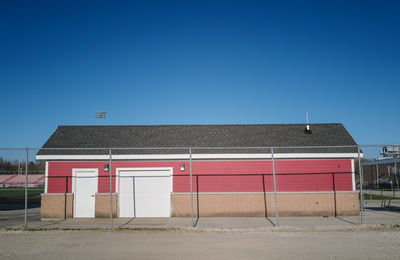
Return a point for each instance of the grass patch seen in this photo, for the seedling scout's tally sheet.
(17, 195)
(93, 229)
(376, 197)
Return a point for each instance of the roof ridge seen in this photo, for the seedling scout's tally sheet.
(202, 125)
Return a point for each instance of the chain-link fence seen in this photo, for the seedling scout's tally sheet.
(21, 185)
(381, 182)
(110, 187)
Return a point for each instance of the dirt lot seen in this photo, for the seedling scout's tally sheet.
(206, 244)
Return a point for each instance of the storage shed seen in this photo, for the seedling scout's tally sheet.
(232, 170)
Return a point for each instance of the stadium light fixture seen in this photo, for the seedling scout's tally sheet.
(100, 115)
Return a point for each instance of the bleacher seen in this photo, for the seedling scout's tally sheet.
(5, 178)
(18, 180)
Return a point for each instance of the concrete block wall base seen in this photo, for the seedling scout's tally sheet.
(56, 205)
(102, 206)
(259, 204)
(60, 205)
(228, 204)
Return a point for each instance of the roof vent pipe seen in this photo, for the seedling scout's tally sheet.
(307, 130)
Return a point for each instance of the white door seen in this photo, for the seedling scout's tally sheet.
(144, 192)
(84, 188)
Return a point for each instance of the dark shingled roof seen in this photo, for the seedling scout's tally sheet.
(159, 136)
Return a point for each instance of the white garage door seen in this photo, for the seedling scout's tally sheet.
(144, 192)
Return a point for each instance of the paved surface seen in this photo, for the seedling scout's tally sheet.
(213, 238)
(205, 244)
(374, 214)
(11, 218)
(371, 217)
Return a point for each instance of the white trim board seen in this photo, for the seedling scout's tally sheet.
(198, 156)
(46, 176)
(353, 175)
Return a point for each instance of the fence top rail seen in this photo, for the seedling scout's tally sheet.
(381, 161)
(199, 148)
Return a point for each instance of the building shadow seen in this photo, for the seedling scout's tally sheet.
(265, 201)
(127, 223)
(387, 208)
(50, 224)
(346, 221)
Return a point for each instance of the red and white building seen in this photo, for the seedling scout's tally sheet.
(314, 174)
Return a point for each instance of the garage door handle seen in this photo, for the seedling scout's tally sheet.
(91, 195)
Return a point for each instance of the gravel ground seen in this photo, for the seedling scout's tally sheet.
(203, 244)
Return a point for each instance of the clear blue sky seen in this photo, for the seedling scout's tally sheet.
(205, 62)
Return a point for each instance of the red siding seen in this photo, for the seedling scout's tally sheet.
(224, 176)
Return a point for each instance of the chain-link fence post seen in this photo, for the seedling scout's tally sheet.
(395, 174)
(361, 186)
(26, 189)
(111, 204)
(275, 193)
(334, 194)
(65, 197)
(191, 187)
